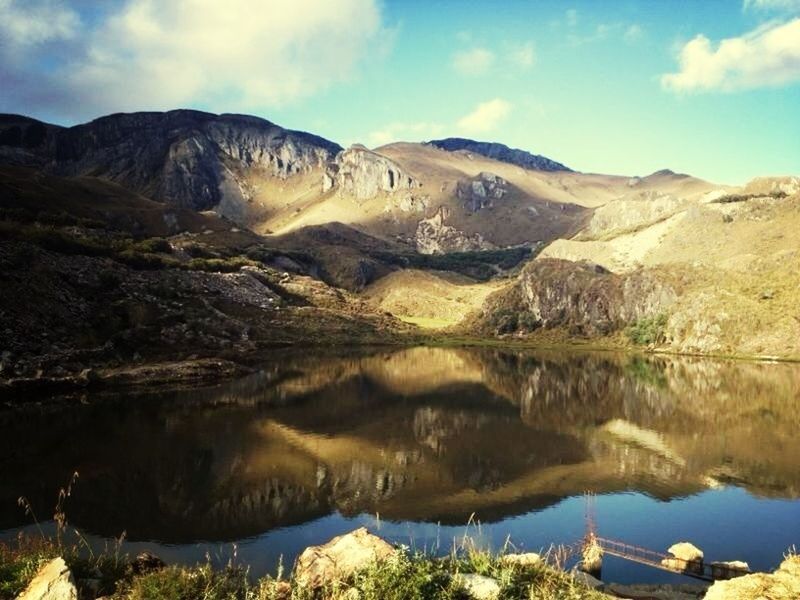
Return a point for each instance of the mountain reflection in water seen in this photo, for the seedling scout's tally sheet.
(416, 435)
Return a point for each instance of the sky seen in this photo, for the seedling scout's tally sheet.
(707, 87)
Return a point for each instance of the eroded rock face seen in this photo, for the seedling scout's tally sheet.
(186, 158)
(630, 214)
(365, 174)
(433, 236)
(588, 299)
(321, 565)
(54, 581)
(481, 191)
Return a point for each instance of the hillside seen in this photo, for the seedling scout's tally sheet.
(715, 273)
(360, 239)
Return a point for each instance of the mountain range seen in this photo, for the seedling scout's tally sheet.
(470, 236)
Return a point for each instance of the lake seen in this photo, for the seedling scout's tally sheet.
(415, 444)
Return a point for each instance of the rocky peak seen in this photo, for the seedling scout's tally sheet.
(480, 191)
(365, 174)
(500, 152)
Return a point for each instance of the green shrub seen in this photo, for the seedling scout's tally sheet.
(63, 242)
(219, 265)
(152, 245)
(146, 261)
(648, 330)
(199, 251)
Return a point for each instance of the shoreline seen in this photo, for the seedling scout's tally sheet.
(194, 371)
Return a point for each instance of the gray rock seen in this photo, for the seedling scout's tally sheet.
(523, 560)
(183, 157)
(364, 174)
(478, 587)
(434, 236)
(586, 579)
(342, 556)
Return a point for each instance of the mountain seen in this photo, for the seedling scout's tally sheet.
(180, 234)
(500, 152)
(185, 158)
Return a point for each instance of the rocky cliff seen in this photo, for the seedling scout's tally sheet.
(364, 174)
(500, 152)
(581, 297)
(187, 158)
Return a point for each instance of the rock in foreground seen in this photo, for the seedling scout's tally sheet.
(53, 582)
(783, 584)
(321, 565)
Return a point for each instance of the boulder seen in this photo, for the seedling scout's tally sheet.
(146, 562)
(524, 560)
(54, 581)
(318, 566)
(783, 584)
(588, 580)
(479, 587)
(729, 569)
(687, 557)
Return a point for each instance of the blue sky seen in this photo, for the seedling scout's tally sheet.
(706, 87)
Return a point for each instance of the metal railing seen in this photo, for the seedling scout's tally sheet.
(697, 569)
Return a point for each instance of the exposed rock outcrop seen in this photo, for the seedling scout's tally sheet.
(500, 152)
(479, 192)
(433, 236)
(187, 158)
(630, 214)
(365, 174)
(586, 298)
(334, 561)
(54, 581)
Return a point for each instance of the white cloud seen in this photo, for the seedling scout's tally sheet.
(523, 55)
(398, 131)
(235, 55)
(476, 61)
(767, 56)
(633, 33)
(486, 116)
(28, 23)
(786, 5)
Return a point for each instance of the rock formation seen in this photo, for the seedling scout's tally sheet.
(433, 236)
(187, 158)
(365, 174)
(479, 192)
(586, 298)
(500, 152)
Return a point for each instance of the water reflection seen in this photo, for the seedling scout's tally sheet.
(421, 434)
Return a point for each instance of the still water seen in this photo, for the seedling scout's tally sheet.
(413, 443)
